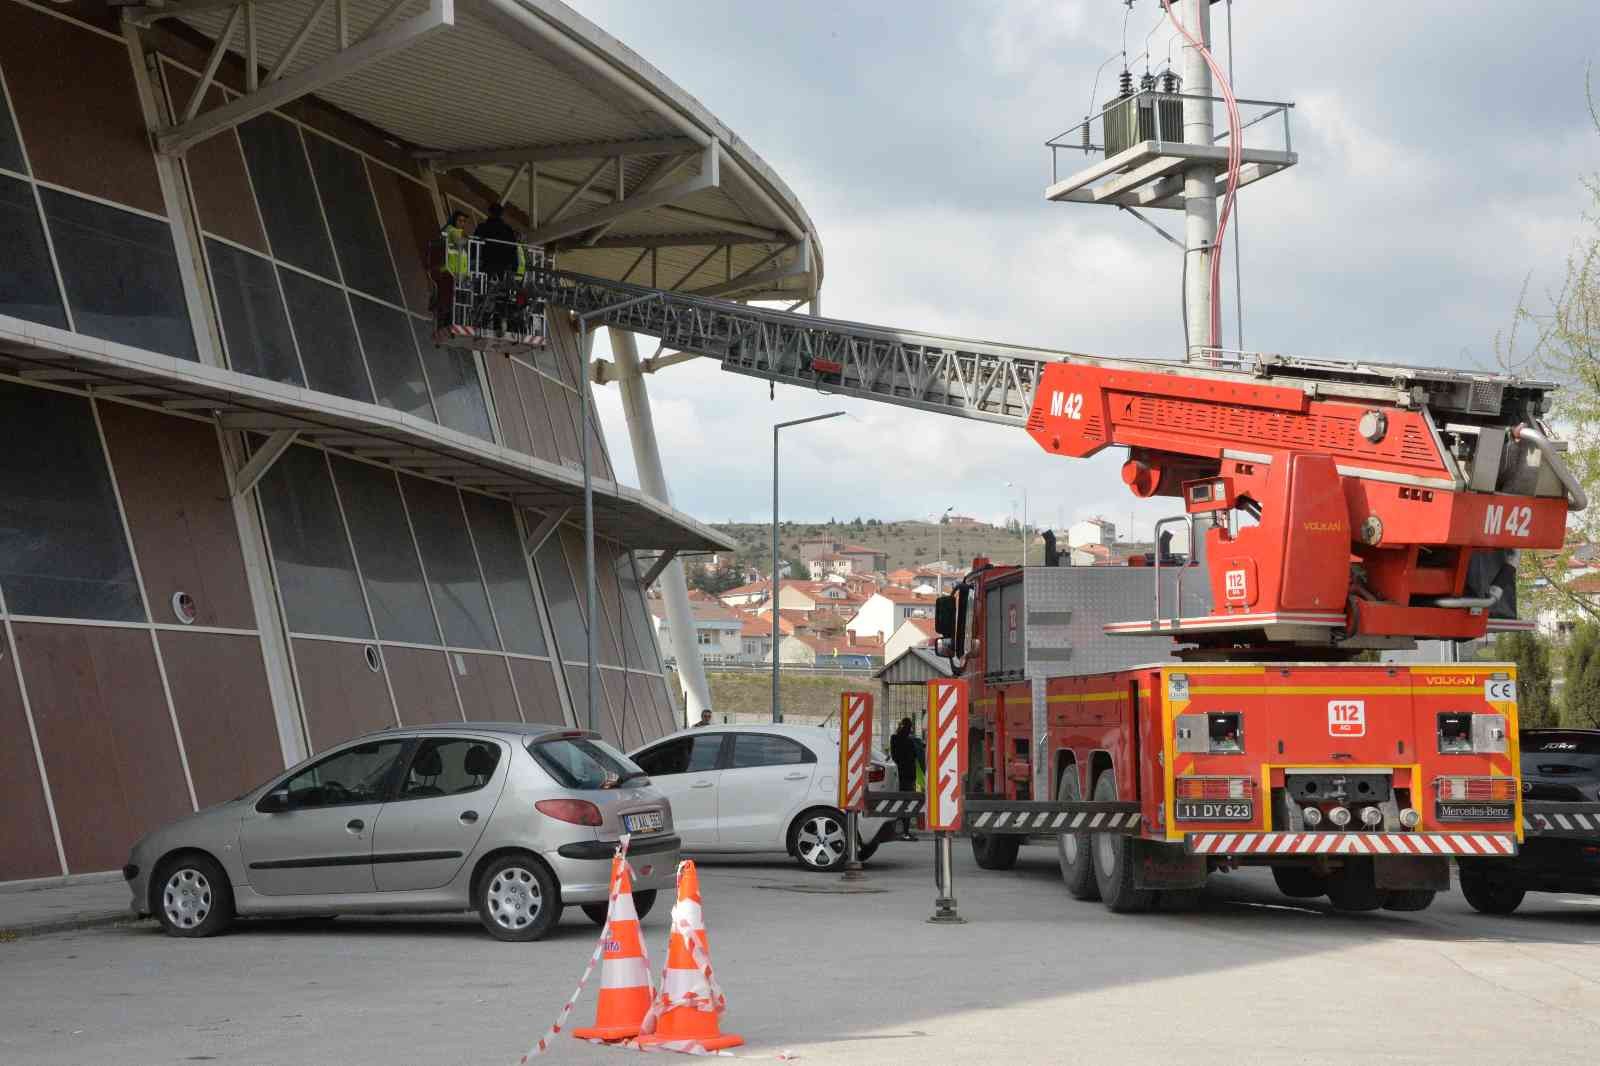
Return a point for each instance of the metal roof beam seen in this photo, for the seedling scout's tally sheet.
(179, 138)
(707, 179)
(269, 453)
(545, 153)
(147, 14)
(659, 173)
(674, 240)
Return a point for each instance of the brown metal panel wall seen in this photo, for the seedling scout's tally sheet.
(560, 419)
(536, 685)
(576, 680)
(341, 695)
(653, 723)
(27, 844)
(599, 460)
(175, 495)
(106, 735)
(219, 690)
(421, 680)
(606, 649)
(507, 407)
(632, 719)
(530, 385)
(410, 220)
(485, 687)
(216, 172)
(78, 108)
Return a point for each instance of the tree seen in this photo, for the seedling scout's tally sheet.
(715, 582)
(1580, 695)
(1531, 653)
(1566, 346)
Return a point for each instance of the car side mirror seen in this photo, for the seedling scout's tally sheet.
(274, 802)
(944, 616)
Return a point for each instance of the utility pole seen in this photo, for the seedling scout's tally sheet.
(1199, 179)
(940, 523)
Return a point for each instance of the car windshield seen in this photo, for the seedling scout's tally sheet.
(1563, 743)
(583, 762)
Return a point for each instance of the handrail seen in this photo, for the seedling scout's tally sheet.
(1577, 499)
(1177, 606)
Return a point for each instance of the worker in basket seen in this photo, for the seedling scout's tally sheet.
(505, 265)
(449, 254)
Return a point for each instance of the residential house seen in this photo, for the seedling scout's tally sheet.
(826, 652)
(829, 564)
(747, 595)
(963, 521)
(755, 636)
(916, 632)
(865, 560)
(815, 547)
(904, 577)
(886, 609)
(717, 630)
(1091, 531)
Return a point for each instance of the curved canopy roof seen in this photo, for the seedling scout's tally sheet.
(631, 177)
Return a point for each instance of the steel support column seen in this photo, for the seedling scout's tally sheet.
(653, 480)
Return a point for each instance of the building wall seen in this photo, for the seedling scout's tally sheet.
(167, 645)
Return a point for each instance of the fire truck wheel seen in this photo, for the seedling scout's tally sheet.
(1408, 899)
(1300, 882)
(995, 851)
(1353, 888)
(1113, 860)
(1072, 849)
(1486, 893)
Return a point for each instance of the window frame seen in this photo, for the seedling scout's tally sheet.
(724, 750)
(398, 796)
(807, 756)
(281, 784)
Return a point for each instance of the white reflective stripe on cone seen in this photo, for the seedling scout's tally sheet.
(687, 910)
(623, 910)
(678, 985)
(625, 973)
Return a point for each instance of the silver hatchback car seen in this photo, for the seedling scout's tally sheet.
(514, 821)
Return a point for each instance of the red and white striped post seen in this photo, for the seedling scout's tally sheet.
(947, 773)
(855, 747)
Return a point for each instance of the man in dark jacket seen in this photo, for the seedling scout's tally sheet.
(903, 750)
(499, 256)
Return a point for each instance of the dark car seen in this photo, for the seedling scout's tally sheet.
(1561, 765)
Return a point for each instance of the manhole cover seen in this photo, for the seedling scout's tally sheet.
(837, 889)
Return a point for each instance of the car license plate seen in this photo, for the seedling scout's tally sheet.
(643, 822)
(1213, 811)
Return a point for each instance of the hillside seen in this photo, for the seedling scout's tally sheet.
(908, 543)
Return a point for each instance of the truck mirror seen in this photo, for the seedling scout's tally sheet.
(959, 640)
(944, 616)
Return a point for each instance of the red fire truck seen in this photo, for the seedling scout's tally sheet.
(1379, 506)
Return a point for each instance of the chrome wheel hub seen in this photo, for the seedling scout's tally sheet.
(186, 898)
(514, 898)
(820, 841)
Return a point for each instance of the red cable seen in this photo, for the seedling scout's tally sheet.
(1235, 150)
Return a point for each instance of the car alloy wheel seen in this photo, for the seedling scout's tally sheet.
(515, 899)
(820, 840)
(186, 899)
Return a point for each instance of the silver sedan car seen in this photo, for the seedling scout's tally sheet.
(513, 821)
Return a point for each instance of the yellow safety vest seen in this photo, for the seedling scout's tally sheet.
(455, 250)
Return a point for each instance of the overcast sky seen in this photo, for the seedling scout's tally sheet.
(1440, 145)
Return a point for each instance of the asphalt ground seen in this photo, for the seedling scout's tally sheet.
(1034, 977)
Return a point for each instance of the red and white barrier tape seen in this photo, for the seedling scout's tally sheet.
(544, 1042)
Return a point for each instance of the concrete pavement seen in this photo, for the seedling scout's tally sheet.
(1035, 977)
(51, 907)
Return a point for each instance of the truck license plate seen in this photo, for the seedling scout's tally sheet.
(1213, 811)
(643, 822)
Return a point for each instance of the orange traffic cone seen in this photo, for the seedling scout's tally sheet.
(625, 991)
(686, 1010)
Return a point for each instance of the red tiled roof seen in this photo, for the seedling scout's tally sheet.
(1585, 584)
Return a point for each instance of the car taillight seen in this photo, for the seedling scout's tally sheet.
(1481, 789)
(1214, 788)
(578, 812)
(876, 775)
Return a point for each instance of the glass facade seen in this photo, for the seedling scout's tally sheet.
(338, 595)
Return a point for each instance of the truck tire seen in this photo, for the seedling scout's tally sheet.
(1408, 899)
(1352, 887)
(1072, 849)
(1487, 893)
(995, 851)
(1300, 882)
(1112, 856)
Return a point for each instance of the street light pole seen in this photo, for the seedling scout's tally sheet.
(591, 678)
(1024, 488)
(772, 602)
(942, 517)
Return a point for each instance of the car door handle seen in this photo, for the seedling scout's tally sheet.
(701, 784)
(795, 777)
(468, 817)
(355, 825)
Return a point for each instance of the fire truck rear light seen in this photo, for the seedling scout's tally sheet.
(1477, 789)
(1215, 788)
(1339, 816)
(876, 775)
(1410, 818)
(1312, 816)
